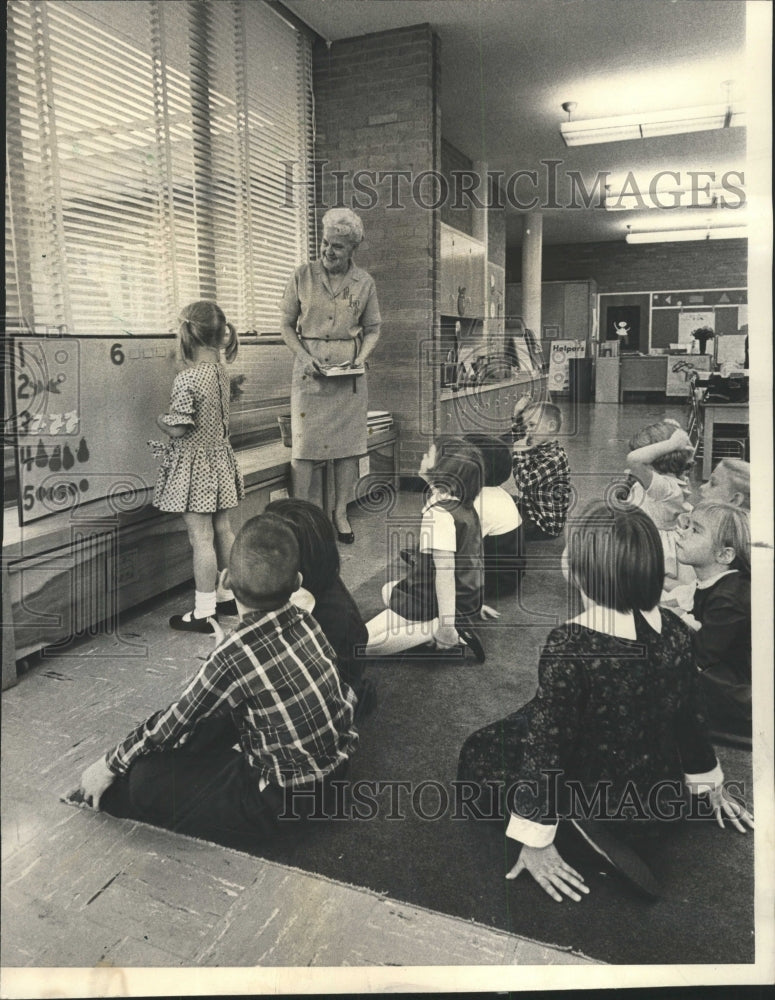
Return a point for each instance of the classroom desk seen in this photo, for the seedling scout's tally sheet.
(721, 413)
(642, 373)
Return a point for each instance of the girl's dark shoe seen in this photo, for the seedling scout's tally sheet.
(345, 537)
(474, 643)
(188, 623)
(624, 861)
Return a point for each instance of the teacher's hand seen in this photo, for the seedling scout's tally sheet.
(550, 871)
(309, 366)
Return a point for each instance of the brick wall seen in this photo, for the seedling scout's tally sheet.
(618, 267)
(376, 101)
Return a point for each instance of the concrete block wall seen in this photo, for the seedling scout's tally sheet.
(618, 267)
(376, 106)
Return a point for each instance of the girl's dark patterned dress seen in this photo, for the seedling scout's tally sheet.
(624, 716)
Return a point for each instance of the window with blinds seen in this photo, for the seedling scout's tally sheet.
(148, 146)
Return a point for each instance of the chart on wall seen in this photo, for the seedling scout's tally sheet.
(84, 411)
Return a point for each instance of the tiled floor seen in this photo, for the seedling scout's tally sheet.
(87, 890)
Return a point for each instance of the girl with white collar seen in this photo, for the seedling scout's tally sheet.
(616, 725)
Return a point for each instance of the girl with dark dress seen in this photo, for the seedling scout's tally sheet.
(441, 596)
(329, 601)
(617, 714)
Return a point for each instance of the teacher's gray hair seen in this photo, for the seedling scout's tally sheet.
(344, 222)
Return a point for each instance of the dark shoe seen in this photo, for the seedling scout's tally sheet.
(624, 861)
(203, 625)
(226, 607)
(345, 537)
(408, 555)
(474, 643)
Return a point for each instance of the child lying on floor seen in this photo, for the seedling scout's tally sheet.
(272, 686)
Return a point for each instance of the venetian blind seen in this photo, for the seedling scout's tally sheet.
(147, 156)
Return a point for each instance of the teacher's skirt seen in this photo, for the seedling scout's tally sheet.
(328, 414)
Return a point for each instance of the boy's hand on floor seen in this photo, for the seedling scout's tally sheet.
(95, 781)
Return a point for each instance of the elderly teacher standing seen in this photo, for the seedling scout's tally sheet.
(330, 318)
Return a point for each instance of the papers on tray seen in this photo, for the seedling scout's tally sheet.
(334, 370)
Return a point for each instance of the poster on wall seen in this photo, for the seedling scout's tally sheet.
(84, 411)
(562, 352)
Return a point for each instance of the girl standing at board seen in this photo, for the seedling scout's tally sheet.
(199, 477)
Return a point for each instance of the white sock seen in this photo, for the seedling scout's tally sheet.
(223, 593)
(204, 604)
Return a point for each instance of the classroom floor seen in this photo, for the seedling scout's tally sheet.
(85, 890)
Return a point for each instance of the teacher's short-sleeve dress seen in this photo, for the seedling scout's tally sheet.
(199, 472)
(328, 415)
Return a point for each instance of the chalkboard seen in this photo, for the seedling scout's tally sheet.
(84, 410)
(86, 407)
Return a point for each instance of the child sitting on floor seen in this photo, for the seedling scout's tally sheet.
(499, 518)
(272, 686)
(659, 456)
(540, 469)
(326, 597)
(442, 594)
(716, 543)
(729, 482)
(617, 707)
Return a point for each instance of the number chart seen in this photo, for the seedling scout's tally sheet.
(84, 411)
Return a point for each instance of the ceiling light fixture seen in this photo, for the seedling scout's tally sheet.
(684, 235)
(677, 121)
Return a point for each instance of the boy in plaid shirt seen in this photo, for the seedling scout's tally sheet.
(271, 688)
(540, 469)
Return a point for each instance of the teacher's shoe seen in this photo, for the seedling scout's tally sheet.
(189, 623)
(624, 861)
(345, 537)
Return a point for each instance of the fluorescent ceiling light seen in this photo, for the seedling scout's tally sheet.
(644, 126)
(682, 235)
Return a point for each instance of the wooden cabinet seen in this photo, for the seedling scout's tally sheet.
(463, 267)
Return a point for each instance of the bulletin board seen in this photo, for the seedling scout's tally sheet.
(84, 411)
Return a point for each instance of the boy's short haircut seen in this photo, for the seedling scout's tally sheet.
(616, 557)
(739, 473)
(496, 457)
(675, 463)
(548, 410)
(458, 469)
(730, 527)
(264, 562)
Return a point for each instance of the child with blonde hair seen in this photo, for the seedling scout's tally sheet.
(716, 544)
(729, 482)
(199, 477)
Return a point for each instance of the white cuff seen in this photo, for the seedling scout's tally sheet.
(530, 833)
(699, 783)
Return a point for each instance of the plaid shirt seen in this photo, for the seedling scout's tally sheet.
(542, 479)
(276, 674)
